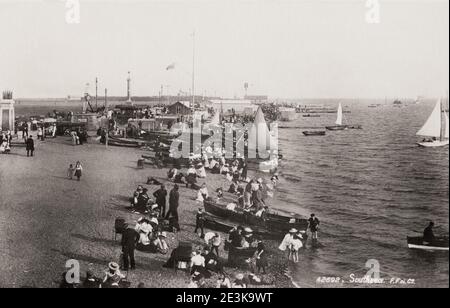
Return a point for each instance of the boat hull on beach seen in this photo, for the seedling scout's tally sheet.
(273, 222)
(222, 225)
(417, 242)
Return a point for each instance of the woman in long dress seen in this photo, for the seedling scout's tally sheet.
(78, 170)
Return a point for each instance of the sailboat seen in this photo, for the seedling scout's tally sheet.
(262, 145)
(338, 122)
(437, 126)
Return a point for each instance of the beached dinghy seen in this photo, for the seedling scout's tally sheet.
(273, 222)
(314, 133)
(417, 242)
(437, 126)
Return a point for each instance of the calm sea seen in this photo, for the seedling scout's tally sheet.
(370, 188)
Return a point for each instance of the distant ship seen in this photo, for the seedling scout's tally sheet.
(436, 128)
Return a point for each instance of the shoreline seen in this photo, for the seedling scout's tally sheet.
(59, 219)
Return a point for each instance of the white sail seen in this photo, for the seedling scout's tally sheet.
(339, 115)
(432, 127)
(446, 125)
(259, 135)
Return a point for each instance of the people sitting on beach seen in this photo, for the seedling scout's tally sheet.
(202, 193)
(180, 178)
(143, 200)
(214, 167)
(239, 282)
(153, 181)
(225, 169)
(160, 243)
(113, 276)
(213, 240)
(200, 170)
(144, 228)
(172, 174)
(233, 187)
(4, 147)
(197, 263)
(235, 236)
(223, 282)
(274, 179)
(212, 262)
(191, 178)
(91, 282)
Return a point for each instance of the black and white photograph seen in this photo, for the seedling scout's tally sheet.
(224, 144)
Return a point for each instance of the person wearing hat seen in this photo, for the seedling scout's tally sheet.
(174, 197)
(129, 240)
(161, 196)
(113, 275)
(191, 177)
(30, 146)
(287, 241)
(314, 227)
(261, 257)
(142, 201)
(200, 222)
(160, 243)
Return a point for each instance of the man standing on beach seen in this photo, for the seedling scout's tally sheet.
(129, 240)
(160, 196)
(30, 146)
(174, 197)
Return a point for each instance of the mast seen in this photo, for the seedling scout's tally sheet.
(96, 94)
(107, 118)
(193, 69)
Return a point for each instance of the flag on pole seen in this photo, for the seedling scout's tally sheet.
(170, 67)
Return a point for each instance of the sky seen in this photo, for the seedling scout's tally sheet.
(281, 48)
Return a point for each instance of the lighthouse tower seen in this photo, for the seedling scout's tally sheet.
(129, 101)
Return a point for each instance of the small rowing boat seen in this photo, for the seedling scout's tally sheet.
(417, 242)
(314, 133)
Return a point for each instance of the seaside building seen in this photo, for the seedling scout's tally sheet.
(180, 108)
(7, 114)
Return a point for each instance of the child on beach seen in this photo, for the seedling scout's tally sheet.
(70, 171)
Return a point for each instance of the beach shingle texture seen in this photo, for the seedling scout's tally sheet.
(47, 219)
